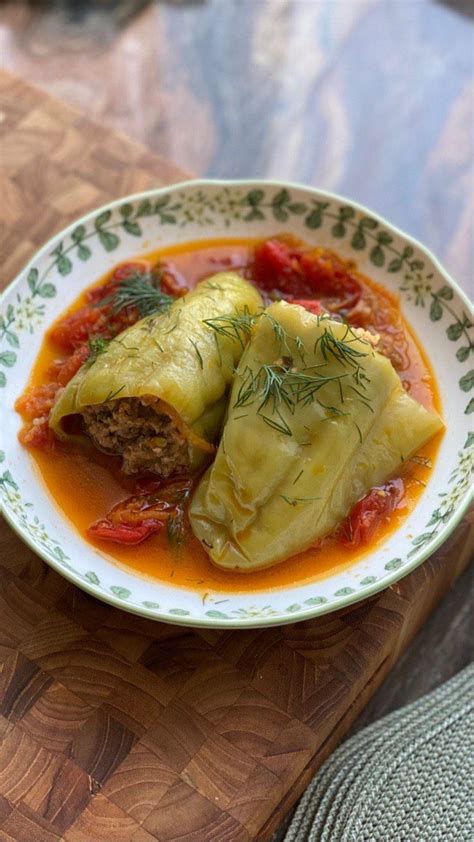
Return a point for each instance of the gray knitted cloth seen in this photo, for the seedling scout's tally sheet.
(407, 778)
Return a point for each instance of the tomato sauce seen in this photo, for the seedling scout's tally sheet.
(99, 484)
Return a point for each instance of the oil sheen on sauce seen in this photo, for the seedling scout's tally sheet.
(99, 485)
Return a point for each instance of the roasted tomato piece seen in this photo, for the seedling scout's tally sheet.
(37, 401)
(75, 329)
(64, 370)
(280, 266)
(134, 519)
(38, 434)
(329, 279)
(369, 513)
(310, 304)
(122, 533)
(276, 268)
(127, 270)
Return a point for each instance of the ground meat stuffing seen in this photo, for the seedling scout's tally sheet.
(141, 432)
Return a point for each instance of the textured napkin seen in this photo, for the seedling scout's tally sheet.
(407, 778)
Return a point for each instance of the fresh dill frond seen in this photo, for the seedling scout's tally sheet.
(173, 326)
(141, 291)
(218, 348)
(158, 344)
(247, 389)
(339, 349)
(235, 326)
(176, 528)
(358, 430)
(276, 386)
(281, 426)
(362, 398)
(273, 387)
(333, 410)
(280, 333)
(298, 477)
(296, 501)
(96, 345)
(300, 347)
(198, 353)
(112, 395)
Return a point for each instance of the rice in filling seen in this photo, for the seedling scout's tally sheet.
(141, 432)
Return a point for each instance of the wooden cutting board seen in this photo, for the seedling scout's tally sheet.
(116, 728)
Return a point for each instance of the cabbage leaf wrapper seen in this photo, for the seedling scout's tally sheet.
(157, 394)
(316, 418)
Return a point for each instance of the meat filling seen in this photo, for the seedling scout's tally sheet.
(139, 430)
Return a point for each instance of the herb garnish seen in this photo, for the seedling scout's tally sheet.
(341, 350)
(175, 325)
(235, 326)
(295, 501)
(277, 386)
(141, 290)
(280, 384)
(198, 353)
(97, 345)
(177, 524)
(113, 395)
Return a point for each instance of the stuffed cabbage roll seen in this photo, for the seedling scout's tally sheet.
(157, 394)
(316, 418)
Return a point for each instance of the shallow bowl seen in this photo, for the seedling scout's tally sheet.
(433, 304)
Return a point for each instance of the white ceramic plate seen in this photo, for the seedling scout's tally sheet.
(434, 305)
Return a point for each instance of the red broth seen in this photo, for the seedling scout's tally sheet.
(99, 484)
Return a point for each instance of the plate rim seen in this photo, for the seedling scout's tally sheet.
(311, 612)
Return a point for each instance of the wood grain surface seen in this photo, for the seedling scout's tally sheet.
(116, 727)
(369, 98)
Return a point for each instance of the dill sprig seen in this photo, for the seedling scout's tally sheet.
(279, 386)
(97, 345)
(177, 526)
(175, 325)
(113, 394)
(142, 291)
(197, 352)
(340, 349)
(235, 326)
(296, 501)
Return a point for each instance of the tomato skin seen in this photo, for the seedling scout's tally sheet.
(327, 277)
(137, 517)
(281, 267)
(123, 533)
(126, 270)
(171, 285)
(276, 268)
(37, 401)
(95, 319)
(62, 371)
(75, 329)
(370, 513)
(38, 434)
(312, 305)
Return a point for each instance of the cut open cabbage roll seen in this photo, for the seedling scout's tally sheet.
(316, 418)
(157, 394)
